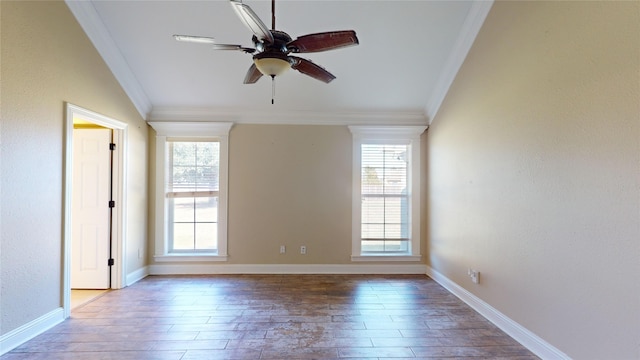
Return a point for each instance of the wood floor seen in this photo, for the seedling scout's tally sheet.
(275, 317)
(80, 297)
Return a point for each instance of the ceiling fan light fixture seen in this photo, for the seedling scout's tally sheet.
(270, 66)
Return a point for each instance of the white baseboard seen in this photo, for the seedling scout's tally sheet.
(137, 275)
(525, 337)
(196, 269)
(28, 331)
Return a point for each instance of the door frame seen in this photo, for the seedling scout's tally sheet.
(118, 226)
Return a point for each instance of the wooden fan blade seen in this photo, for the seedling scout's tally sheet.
(195, 39)
(252, 21)
(253, 75)
(308, 68)
(323, 41)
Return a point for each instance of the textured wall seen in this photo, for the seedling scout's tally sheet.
(47, 61)
(534, 165)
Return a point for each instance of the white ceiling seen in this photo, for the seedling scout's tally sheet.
(408, 55)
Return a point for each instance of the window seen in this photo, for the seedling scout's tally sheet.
(191, 191)
(386, 187)
(383, 185)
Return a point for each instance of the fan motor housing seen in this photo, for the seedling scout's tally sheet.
(280, 41)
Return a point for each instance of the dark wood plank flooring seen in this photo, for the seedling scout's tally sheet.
(275, 317)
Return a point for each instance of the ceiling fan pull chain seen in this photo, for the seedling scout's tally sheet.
(273, 88)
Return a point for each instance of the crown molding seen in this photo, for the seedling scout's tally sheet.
(470, 29)
(86, 14)
(198, 128)
(392, 131)
(238, 116)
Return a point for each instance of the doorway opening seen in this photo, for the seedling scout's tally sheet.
(108, 235)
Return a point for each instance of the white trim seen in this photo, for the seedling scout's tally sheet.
(191, 129)
(119, 189)
(196, 269)
(525, 337)
(189, 258)
(242, 116)
(356, 202)
(388, 132)
(468, 33)
(383, 258)
(161, 213)
(137, 275)
(28, 331)
(119, 226)
(88, 18)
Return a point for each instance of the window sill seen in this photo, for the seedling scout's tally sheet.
(190, 258)
(380, 257)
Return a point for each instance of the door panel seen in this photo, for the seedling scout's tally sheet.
(90, 209)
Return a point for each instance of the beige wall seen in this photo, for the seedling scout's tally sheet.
(288, 185)
(46, 61)
(534, 163)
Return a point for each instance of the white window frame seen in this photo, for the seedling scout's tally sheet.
(204, 131)
(409, 135)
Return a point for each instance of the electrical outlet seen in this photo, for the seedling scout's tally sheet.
(283, 249)
(474, 275)
(139, 253)
(303, 250)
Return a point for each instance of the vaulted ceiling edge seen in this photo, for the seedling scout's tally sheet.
(470, 29)
(90, 21)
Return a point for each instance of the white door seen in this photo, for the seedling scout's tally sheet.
(90, 209)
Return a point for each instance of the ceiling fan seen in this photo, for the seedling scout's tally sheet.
(272, 48)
